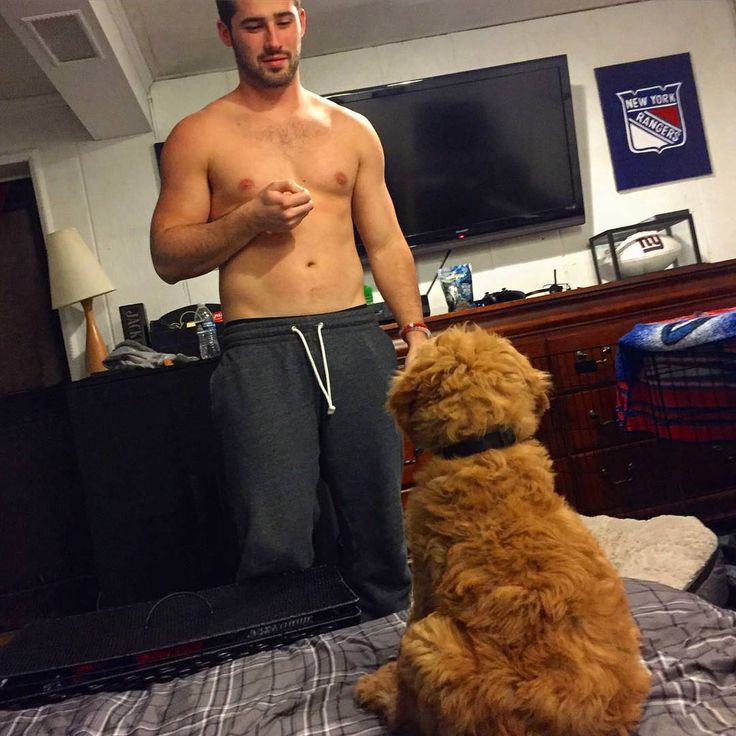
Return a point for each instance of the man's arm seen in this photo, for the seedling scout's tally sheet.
(389, 256)
(184, 243)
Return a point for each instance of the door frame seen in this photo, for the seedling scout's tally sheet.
(33, 158)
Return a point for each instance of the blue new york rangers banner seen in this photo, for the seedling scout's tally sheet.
(655, 132)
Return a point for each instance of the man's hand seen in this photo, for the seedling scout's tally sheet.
(415, 339)
(280, 207)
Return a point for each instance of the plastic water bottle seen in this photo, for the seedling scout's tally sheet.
(206, 333)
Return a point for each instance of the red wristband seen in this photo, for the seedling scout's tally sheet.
(412, 327)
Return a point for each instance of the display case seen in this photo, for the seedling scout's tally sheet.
(664, 241)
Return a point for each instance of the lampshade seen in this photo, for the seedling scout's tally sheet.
(74, 273)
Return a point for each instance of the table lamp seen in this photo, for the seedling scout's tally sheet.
(76, 276)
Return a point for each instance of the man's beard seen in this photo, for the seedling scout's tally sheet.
(262, 77)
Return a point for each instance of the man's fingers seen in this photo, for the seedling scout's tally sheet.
(284, 207)
(293, 217)
(286, 185)
(300, 198)
(287, 199)
(297, 214)
(302, 209)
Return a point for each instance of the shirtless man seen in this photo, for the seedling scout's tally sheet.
(264, 184)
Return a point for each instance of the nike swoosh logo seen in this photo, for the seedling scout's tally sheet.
(676, 331)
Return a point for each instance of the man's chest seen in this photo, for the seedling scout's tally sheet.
(246, 161)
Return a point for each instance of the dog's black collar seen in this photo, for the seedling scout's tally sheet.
(501, 437)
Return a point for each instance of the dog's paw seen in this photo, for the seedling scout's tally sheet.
(377, 691)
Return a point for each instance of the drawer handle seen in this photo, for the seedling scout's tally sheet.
(719, 448)
(595, 416)
(585, 364)
(623, 481)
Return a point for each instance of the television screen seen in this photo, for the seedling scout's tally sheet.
(485, 152)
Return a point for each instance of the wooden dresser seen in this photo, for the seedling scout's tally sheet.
(603, 469)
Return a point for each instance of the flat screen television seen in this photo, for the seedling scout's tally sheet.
(482, 154)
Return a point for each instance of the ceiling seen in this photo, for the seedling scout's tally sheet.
(334, 25)
(147, 40)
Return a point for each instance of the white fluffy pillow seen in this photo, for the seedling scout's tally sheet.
(666, 549)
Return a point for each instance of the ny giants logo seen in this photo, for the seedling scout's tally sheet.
(653, 118)
(650, 243)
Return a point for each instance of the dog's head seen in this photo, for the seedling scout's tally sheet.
(465, 383)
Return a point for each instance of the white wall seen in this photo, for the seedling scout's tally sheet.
(108, 189)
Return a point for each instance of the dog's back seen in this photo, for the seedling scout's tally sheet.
(542, 613)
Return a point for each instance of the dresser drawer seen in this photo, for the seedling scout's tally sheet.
(588, 420)
(533, 348)
(584, 367)
(620, 478)
(704, 467)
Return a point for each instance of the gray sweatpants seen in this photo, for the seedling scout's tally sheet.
(280, 438)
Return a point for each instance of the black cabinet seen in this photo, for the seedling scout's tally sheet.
(45, 559)
(150, 465)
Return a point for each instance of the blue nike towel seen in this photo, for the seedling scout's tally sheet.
(677, 379)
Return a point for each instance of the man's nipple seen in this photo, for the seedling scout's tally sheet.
(246, 184)
(341, 179)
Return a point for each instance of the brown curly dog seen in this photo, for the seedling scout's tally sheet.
(519, 625)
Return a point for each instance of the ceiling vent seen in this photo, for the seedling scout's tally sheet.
(65, 37)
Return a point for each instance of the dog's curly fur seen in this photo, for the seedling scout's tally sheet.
(519, 625)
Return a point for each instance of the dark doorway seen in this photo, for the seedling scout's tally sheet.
(31, 341)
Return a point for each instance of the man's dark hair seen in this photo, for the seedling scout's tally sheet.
(228, 8)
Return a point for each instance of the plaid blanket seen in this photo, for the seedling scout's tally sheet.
(677, 379)
(305, 689)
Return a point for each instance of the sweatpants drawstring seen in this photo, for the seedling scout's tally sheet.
(326, 391)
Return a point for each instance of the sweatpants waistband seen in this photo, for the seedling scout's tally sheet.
(243, 331)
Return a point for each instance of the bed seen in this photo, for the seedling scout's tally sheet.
(305, 688)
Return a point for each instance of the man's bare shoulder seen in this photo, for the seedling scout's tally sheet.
(203, 123)
(342, 114)
(349, 121)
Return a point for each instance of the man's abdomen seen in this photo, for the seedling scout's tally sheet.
(275, 277)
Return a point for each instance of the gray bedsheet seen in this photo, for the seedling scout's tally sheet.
(306, 688)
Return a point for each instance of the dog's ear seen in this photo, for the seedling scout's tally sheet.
(401, 395)
(540, 386)
(408, 383)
